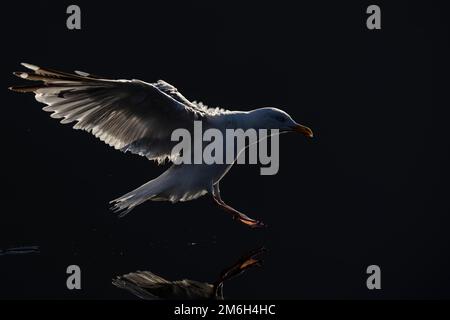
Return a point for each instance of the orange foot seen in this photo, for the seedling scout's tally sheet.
(254, 224)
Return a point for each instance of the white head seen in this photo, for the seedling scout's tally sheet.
(273, 118)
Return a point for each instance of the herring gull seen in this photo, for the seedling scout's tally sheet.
(139, 117)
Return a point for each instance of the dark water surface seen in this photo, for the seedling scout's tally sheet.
(370, 188)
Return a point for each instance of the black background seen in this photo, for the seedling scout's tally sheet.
(371, 188)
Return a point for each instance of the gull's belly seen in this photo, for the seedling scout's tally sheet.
(205, 174)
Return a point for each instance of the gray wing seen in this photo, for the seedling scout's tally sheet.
(197, 105)
(143, 284)
(130, 115)
(149, 286)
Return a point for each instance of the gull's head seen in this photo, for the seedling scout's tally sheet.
(273, 118)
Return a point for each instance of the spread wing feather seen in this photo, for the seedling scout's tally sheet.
(130, 115)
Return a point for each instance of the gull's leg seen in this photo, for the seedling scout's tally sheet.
(236, 214)
(251, 259)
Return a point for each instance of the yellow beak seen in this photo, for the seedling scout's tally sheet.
(303, 130)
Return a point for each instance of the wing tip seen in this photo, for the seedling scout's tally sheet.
(13, 89)
(30, 66)
(82, 73)
(20, 74)
(23, 89)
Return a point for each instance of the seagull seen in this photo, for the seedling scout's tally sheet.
(149, 286)
(139, 117)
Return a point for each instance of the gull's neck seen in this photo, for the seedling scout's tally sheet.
(241, 120)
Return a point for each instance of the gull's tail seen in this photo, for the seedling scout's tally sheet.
(178, 183)
(129, 201)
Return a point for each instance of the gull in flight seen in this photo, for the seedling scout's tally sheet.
(140, 117)
(149, 286)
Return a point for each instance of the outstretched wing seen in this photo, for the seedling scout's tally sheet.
(130, 115)
(143, 284)
(147, 285)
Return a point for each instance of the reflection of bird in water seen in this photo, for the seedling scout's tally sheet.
(140, 117)
(147, 285)
(19, 250)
